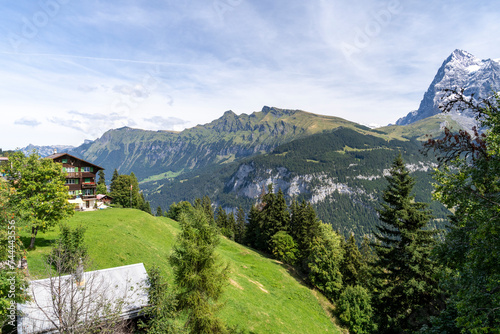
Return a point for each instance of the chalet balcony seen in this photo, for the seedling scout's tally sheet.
(77, 175)
(84, 197)
(88, 185)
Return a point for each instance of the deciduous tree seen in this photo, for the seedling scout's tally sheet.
(324, 262)
(40, 197)
(468, 181)
(13, 280)
(284, 248)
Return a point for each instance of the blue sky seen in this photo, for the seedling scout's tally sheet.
(70, 70)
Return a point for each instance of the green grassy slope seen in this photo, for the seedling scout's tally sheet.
(262, 296)
(428, 126)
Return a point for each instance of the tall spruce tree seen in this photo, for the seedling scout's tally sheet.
(230, 226)
(113, 180)
(101, 184)
(352, 263)
(225, 222)
(368, 257)
(159, 211)
(198, 272)
(240, 228)
(406, 290)
(206, 204)
(220, 217)
(254, 230)
(274, 216)
(304, 228)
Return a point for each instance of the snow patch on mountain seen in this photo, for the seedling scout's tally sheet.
(460, 70)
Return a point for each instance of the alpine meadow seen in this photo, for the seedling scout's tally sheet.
(248, 167)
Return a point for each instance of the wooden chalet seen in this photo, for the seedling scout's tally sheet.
(80, 178)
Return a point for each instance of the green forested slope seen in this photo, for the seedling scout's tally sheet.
(261, 296)
(354, 163)
(229, 138)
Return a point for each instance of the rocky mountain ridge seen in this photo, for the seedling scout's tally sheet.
(47, 150)
(341, 172)
(229, 138)
(460, 70)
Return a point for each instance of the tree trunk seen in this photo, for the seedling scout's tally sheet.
(34, 231)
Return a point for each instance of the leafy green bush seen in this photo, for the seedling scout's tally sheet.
(355, 310)
(324, 262)
(284, 247)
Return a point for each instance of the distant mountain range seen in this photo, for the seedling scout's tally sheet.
(460, 70)
(45, 151)
(341, 172)
(155, 154)
(335, 164)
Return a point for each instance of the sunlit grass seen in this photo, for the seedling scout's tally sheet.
(261, 297)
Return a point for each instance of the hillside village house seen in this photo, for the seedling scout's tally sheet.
(80, 179)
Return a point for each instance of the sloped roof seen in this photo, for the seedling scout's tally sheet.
(111, 284)
(101, 196)
(59, 155)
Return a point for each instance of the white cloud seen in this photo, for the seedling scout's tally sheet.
(116, 63)
(27, 121)
(166, 123)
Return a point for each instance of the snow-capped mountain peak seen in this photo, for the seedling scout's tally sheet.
(460, 70)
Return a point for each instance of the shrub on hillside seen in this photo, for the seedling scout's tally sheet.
(283, 247)
(355, 310)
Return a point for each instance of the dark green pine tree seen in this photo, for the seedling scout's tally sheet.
(254, 230)
(274, 216)
(101, 184)
(159, 211)
(304, 227)
(368, 257)
(230, 226)
(352, 263)
(406, 290)
(143, 204)
(206, 204)
(220, 218)
(295, 220)
(240, 228)
(113, 181)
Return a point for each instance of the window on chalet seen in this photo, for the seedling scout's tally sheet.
(64, 161)
(88, 192)
(87, 180)
(86, 169)
(71, 181)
